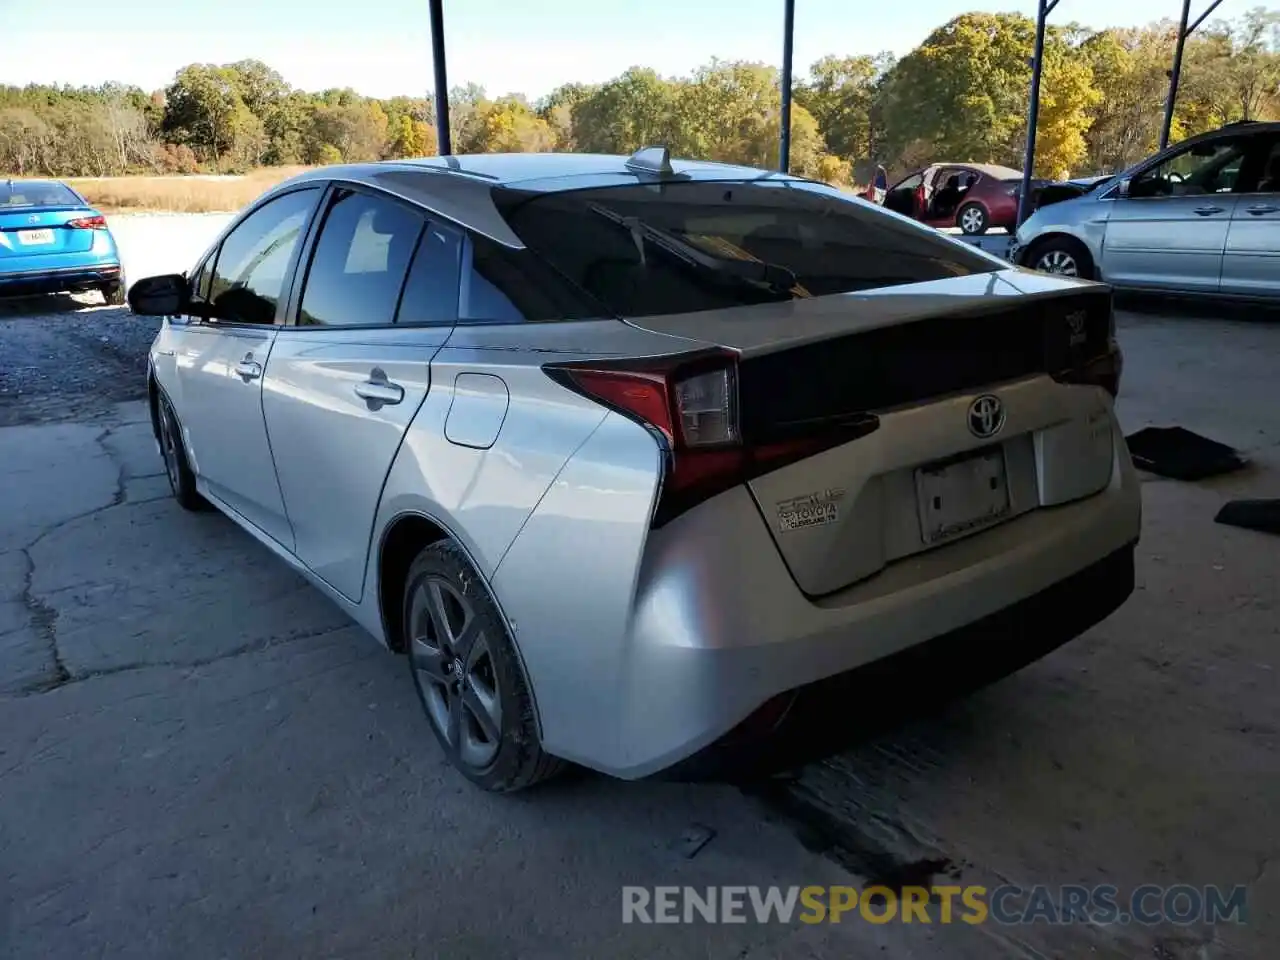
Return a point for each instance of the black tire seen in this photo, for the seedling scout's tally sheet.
(509, 757)
(113, 294)
(972, 219)
(1063, 256)
(177, 466)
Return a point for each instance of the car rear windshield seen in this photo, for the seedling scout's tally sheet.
(36, 193)
(686, 246)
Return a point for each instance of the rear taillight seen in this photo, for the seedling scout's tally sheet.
(88, 223)
(691, 404)
(1101, 371)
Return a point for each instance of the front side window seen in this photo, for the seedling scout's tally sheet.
(1209, 167)
(1270, 168)
(683, 247)
(360, 261)
(253, 261)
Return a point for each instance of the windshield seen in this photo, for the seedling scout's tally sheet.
(36, 193)
(686, 246)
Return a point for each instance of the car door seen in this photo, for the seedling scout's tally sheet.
(347, 374)
(904, 196)
(1251, 262)
(220, 359)
(1170, 229)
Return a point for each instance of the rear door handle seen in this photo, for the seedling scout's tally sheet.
(1261, 208)
(378, 391)
(1208, 211)
(249, 369)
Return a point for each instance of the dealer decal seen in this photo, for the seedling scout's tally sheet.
(811, 510)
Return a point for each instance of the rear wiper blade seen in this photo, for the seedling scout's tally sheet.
(775, 277)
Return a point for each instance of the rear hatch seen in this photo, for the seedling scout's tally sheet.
(841, 314)
(917, 362)
(33, 222)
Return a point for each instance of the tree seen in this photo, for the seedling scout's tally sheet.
(411, 138)
(356, 130)
(628, 112)
(204, 109)
(841, 95)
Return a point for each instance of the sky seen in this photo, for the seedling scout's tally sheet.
(383, 47)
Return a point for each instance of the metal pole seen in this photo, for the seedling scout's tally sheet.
(788, 36)
(1033, 112)
(442, 79)
(1175, 74)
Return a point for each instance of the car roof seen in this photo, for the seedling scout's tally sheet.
(990, 169)
(460, 187)
(524, 169)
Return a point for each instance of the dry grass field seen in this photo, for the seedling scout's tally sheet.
(179, 194)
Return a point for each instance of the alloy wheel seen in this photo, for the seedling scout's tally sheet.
(169, 448)
(455, 670)
(1059, 262)
(971, 220)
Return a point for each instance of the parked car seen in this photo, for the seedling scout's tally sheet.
(1058, 190)
(52, 241)
(1202, 217)
(972, 196)
(630, 457)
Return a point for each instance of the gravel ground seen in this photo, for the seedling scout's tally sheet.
(69, 358)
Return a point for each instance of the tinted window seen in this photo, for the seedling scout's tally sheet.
(37, 193)
(688, 246)
(360, 261)
(505, 285)
(431, 292)
(253, 262)
(1270, 169)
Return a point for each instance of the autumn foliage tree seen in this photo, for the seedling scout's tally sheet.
(961, 95)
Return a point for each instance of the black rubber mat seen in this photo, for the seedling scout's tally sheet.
(1179, 454)
(1260, 515)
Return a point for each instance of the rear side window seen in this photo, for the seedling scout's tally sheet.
(505, 285)
(684, 247)
(360, 261)
(254, 259)
(431, 292)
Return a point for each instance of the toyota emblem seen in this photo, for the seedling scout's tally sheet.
(986, 416)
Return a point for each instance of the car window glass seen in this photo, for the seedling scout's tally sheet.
(911, 182)
(508, 285)
(200, 282)
(360, 261)
(682, 247)
(254, 259)
(1270, 168)
(431, 292)
(1211, 167)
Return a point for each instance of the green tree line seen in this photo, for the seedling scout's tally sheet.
(959, 96)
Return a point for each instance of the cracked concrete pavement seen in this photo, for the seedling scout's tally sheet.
(201, 757)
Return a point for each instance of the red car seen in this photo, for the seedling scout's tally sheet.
(972, 196)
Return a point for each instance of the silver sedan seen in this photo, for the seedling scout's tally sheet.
(1203, 217)
(629, 457)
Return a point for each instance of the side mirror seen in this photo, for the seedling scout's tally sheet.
(163, 296)
(1122, 188)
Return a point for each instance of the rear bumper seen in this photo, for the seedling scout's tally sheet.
(720, 628)
(83, 277)
(821, 718)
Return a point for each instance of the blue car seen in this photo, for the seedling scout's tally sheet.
(52, 241)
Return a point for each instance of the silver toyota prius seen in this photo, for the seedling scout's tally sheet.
(632, 457)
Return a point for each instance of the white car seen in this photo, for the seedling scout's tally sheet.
(631, 458)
